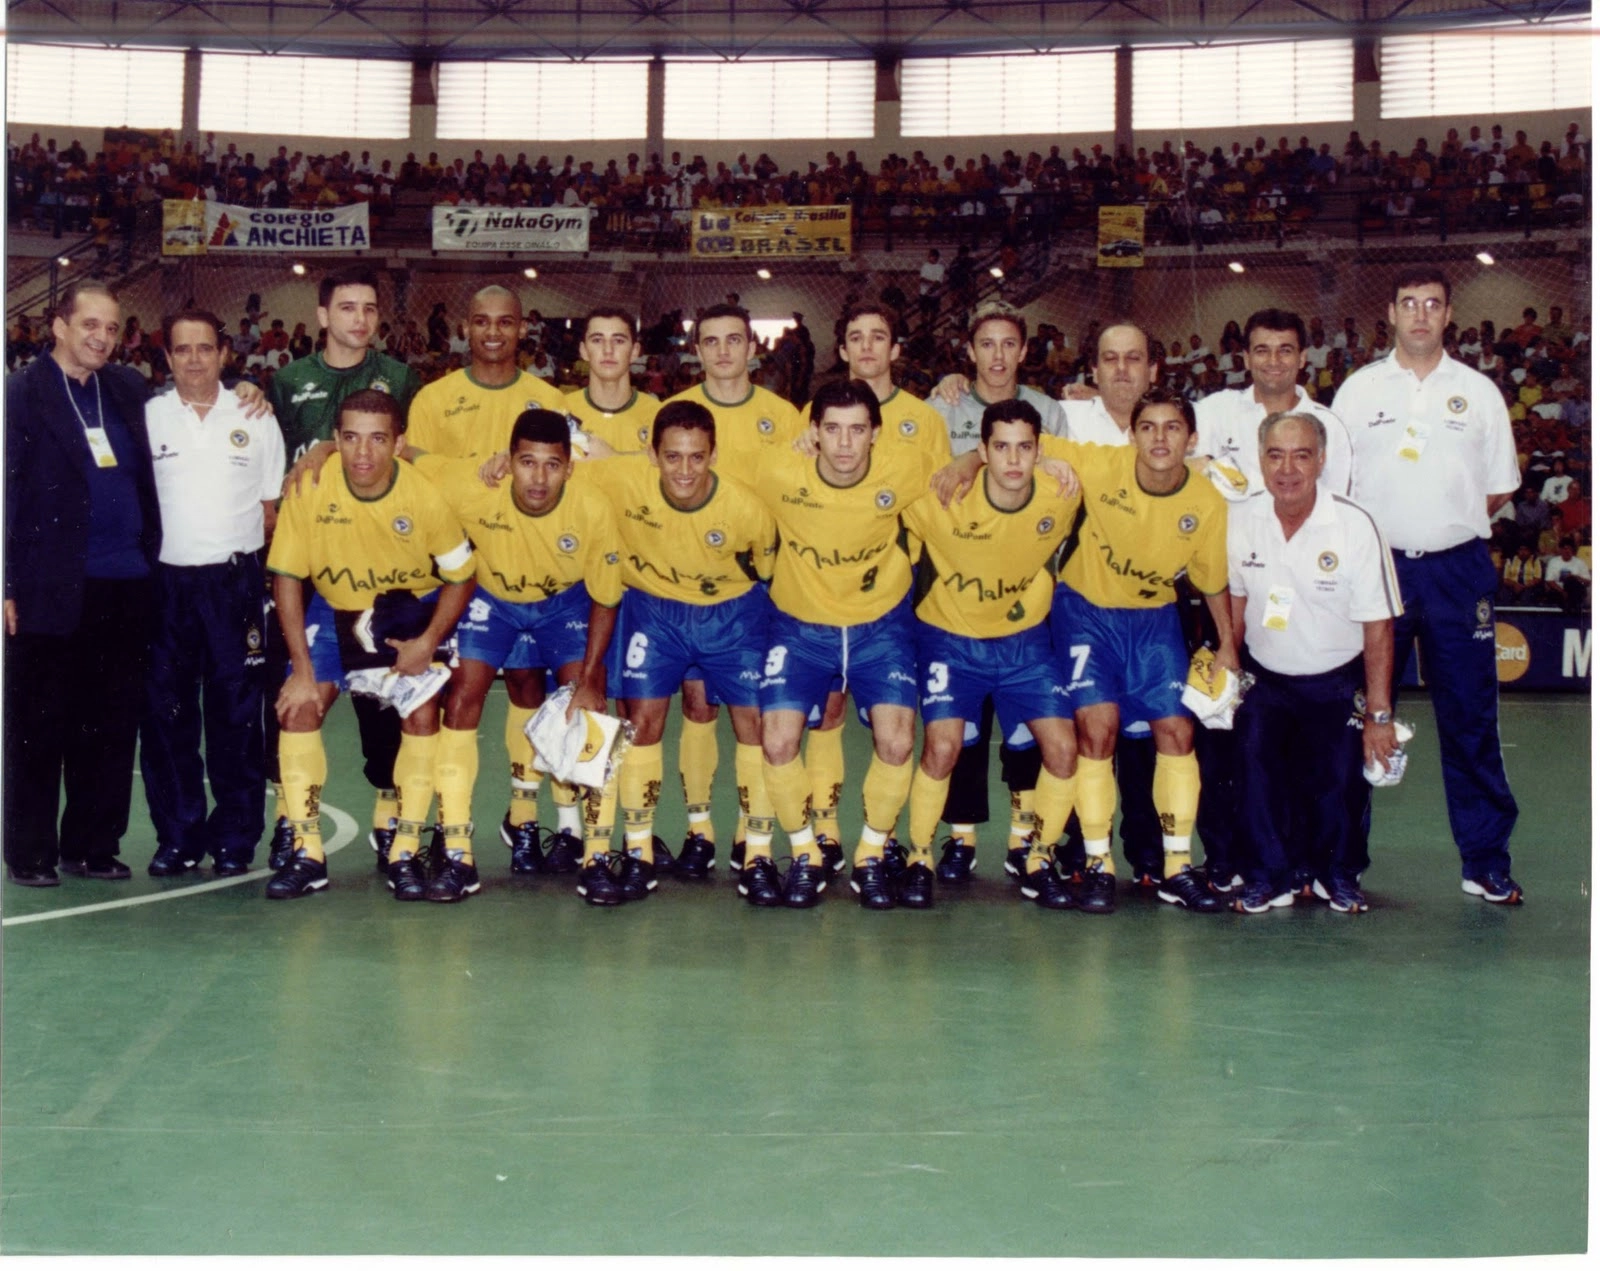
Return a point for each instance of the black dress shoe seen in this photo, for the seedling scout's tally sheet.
(109, 868)
(168, 863)
(33, 876)
(231, 868)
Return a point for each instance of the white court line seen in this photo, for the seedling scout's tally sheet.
(344, 830)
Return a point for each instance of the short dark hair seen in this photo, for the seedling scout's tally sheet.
(1275, 320)
(541, 427)
(690, 415)
(1419, 276)
(611, 311)
(723, 311)
(1165, 397)
(868, 308)
(373, 401)
(351, 276)
(1011, 411)
(68, 303)
(170, 320)
(843, 394)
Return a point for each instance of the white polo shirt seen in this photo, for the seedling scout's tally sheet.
(1229, 430)
(212, 475)
(1090, 421)
(1427, 453)
(1306, 597)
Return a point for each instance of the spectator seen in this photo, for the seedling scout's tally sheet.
(1567, 577)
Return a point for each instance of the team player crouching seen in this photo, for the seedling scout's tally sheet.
(982, 631)
(374, 533)
(549, 582)
(696, 545)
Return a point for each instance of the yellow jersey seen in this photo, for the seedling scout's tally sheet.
(761, 425)
(985, 572)
(525, 558)
(700, 556)
(462, 419)
(354, 549)
(627, 430)
(908, 421)
(1132, 545)
(840, 556)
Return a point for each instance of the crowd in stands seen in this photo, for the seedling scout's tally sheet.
(1243, 191)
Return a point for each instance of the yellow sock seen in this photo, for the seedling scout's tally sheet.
(385, 807)
(280, 807)
(883, 794)
(1176, 794)
(825, 771)
(600, 818)
(963, 832)
(525, 776)
(1053, 805)
(413, 782)
(455, 772)
(1097, 808)
(303, 764)
(1023, 820)
(755, 804)
(791, 804)
(639, 787)
(697, 766)
(927, 805)
(569, 813)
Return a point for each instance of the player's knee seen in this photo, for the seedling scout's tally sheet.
(939, 755)
(1059, 754)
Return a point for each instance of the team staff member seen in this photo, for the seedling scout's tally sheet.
(307, 396)
(982, 633)
(218, 474)
(374, 530)
(841, 593)
(1434, 460)
(753, 424)
(695, 545)
(1314, 598)
(609, 407)
(869, 346)
(549, 582)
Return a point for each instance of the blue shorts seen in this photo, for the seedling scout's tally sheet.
(541, 633)
(322, 635)
(1018, 670)
(875, 662)
(658, 642)
(1135, 658)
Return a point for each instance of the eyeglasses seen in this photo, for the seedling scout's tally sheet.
(1410, 304)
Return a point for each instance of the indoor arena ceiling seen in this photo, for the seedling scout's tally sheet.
(583, 29)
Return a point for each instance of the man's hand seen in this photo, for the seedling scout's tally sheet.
(307, 465)
(598, 449)
(950, 388)
(955, 478)
(252, 399)
(298, 691)
(805, 445)
(11, 617)
(1227, 659)
(1066, 478)
(1080, 393)
(1378, 742)
(411, 657)
(495, 469)
(586, 698)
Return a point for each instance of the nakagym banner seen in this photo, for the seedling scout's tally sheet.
(194, 228)
(1121, 238)
(511, 229)
(770, 231)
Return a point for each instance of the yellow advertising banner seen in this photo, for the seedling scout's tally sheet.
(770, 233)
(1121, 241)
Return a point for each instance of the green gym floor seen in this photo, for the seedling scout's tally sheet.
(208, 1073)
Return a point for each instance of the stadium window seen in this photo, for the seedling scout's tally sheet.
(1469, 70)
(1240, 85)
(769, 101)
(78, 87)
(359, 98)
(1008, 94)
(565, 101)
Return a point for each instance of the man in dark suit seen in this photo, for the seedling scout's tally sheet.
(83, 529)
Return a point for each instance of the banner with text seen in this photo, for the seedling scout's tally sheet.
(775, 232)
(511, 229)
(1539, 649)
(193, 228)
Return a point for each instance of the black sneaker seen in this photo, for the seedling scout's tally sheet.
(697, 858)
(1046, 888)
(597, 886)
(1496, 888)
(455, 881)
(1188, 888)
(430, 855)
(282, 845)
(563, 853)
(1303, 884)
(916, 887)
(231, 867)
(803, 885)
(1257, 898)
(1016, 861)
(406, 879)
(1223, 881)
(832, 855)
(1342, 895)
(168, 862)
(955, 861)
(300, 877)
(736, 857)
(523, 840)
(759, 882)
(1095, 891)
(105, 868)
(870, 881)
(1145, 883)
(636, 878)
(665, 862)
(382, 843)
(894, 860)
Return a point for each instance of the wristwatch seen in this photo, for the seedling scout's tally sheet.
(1380, 717)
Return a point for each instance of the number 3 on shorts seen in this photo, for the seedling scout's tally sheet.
(777, 655)
(938, 677)
(638, 650)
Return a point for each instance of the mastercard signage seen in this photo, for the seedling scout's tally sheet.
(1512, 656)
